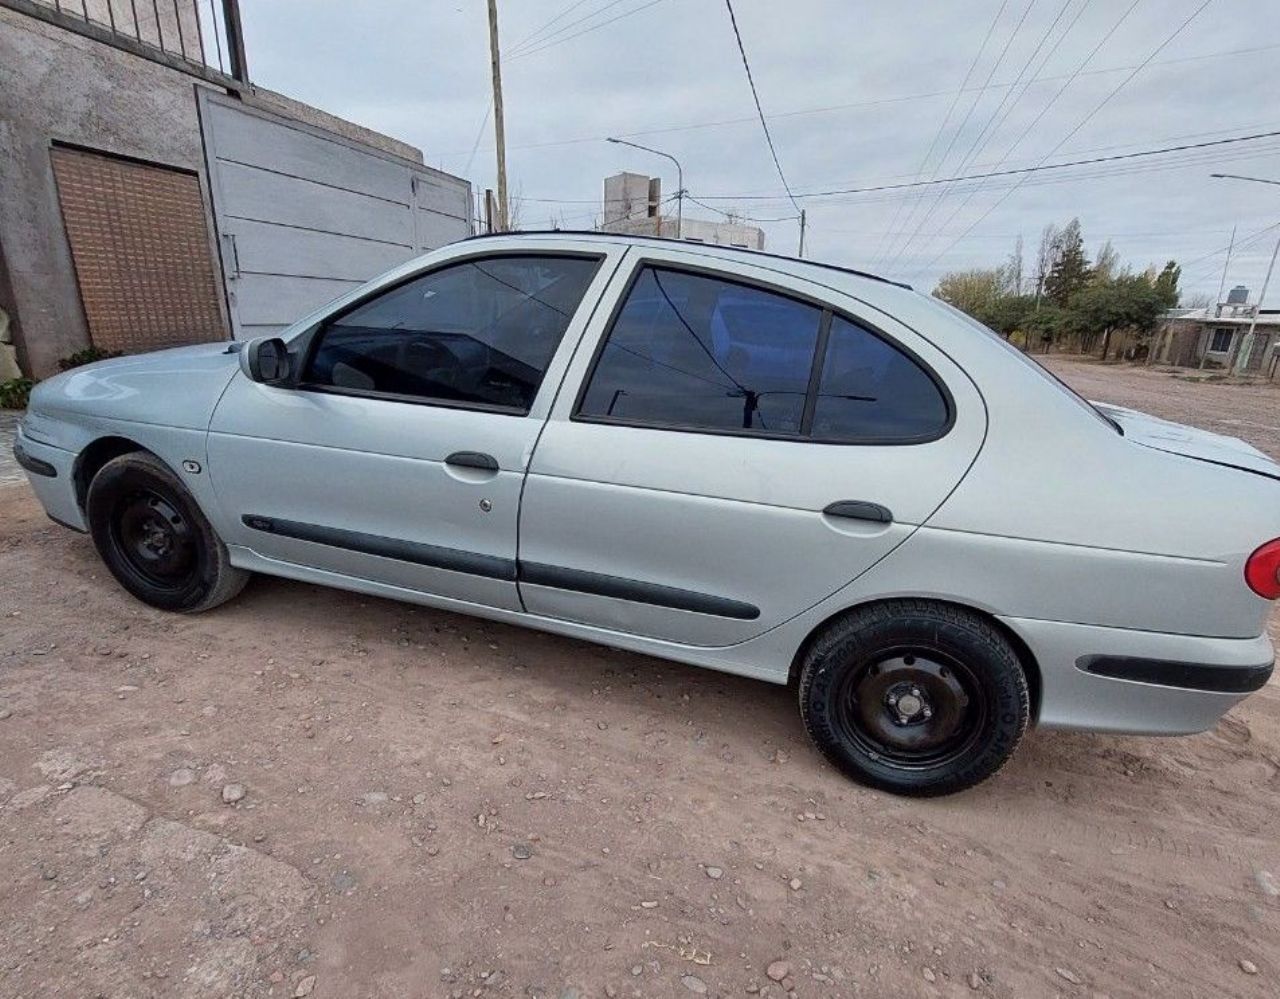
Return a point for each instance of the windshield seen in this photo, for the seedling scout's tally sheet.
(1032, 363)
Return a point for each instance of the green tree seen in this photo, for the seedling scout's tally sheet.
(1166, 285)
(1098, 310)
(973, 291)
(1070, 270)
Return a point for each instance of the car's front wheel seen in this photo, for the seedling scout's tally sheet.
(914, 697)
(154, 539)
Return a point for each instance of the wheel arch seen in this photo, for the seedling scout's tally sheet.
(1026, 658)
(94, 456)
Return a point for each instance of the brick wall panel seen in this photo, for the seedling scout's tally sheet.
(141, 249)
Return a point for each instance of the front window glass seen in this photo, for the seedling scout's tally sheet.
(479, 332)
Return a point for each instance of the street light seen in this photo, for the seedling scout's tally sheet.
(679, 180)
(1236, 176)
(1241, 361)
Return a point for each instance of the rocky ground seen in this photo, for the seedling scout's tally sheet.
(309, 792)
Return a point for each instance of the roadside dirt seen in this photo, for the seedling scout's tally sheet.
(435, 806)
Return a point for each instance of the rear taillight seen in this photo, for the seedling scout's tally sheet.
(1262, 570)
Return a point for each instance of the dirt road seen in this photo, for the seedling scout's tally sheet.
(311, 792)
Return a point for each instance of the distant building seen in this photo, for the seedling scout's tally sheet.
(633, 204)
(1212, 337)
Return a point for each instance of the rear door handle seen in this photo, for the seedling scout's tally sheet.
(473, 459)
(859, 510)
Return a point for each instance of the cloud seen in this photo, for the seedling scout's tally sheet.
(419, 70)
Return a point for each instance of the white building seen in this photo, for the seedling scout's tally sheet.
(633, 204)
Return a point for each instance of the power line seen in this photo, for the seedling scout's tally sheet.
(988, 132)
(1083, 121)
(528, 39)
(965, 120)
(552, 41)
(893, 225)
(1079, 71)
(759, 110)
(1014, 171)
(735, 215)
(857, 105)
(919, 189)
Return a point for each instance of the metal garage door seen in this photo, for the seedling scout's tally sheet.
(304, 215)
(141, 250)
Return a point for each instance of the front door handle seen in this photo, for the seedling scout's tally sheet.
(473, 459)
(859, 510)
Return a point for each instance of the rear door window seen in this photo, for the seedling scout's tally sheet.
(870, 390)
(698, 352)
(689, 351)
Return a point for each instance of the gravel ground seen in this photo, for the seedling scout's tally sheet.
(309, 792)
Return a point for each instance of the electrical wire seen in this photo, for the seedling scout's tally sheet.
(755, 95)
(855, 105)
(529, 38)
(937, 136)
(587, 30)
(965, 120)
(996, 119)
(735, 215)
(1079, 125)
(1011, 172)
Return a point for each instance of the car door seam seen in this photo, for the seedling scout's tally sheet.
(537, 438)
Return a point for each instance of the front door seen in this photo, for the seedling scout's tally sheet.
(399, 454)
(732, 448)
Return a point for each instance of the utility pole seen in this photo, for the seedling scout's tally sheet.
(498, 127)
(1239, 359)
(1217, 306)
(1246, 345)
(802, 225)
(679, 180)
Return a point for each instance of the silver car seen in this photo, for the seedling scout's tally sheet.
(767, 466)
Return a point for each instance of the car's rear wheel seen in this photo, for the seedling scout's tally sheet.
(914, 697)
(154, 539)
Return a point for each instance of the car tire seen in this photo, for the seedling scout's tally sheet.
(914, 697)
(153, 537)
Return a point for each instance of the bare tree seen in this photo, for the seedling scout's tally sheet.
(1046, 256)
(1106, 265)
(1013, 269)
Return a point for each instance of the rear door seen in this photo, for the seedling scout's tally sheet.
(732, 445)
(400, 454)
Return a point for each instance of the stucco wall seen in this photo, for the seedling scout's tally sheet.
(57, 86)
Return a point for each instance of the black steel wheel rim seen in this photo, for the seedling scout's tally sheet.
(912, 707)
(156, 539)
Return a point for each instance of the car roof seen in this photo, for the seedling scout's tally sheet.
(709, 249)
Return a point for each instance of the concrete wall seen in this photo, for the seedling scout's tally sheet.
(58, 86)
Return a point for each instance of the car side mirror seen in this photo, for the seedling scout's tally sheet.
(265, 359)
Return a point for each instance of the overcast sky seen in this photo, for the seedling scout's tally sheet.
(857, 94)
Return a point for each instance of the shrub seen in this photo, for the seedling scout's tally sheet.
(14, 393)
(86, 356)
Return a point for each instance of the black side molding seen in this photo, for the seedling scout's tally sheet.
(1189, 676)
(495, 567)
(636, 591)
(859, 510)
(473, 459)
(434, 556)
(33, 464)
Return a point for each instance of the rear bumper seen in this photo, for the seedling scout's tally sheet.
(51, 473)
(1147, 683)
